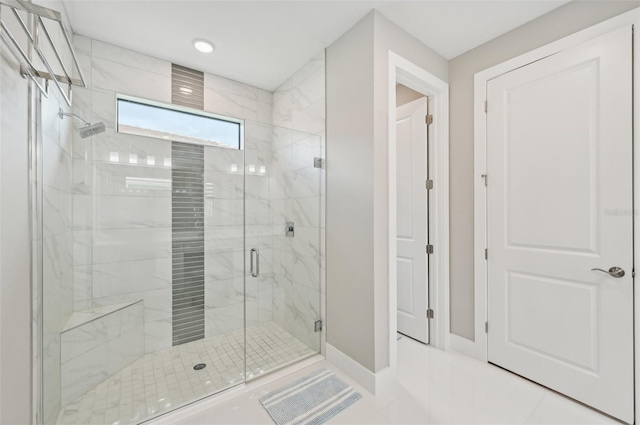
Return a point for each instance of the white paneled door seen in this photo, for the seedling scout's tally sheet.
(412, 209)
(559, 195)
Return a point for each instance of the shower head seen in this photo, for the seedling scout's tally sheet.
(91, 129)
(88, 129)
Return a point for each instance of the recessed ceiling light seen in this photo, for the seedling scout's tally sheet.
(203, 45)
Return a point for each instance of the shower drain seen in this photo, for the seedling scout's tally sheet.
(199, 366)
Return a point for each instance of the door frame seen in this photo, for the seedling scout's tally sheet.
(478, 347)
(437, 91)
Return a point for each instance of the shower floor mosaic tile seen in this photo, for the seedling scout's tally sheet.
(159, 382)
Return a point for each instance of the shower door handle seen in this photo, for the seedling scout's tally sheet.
(255, 265)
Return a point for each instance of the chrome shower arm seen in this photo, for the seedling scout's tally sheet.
(63, 114)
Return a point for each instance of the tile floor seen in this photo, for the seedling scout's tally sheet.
(434, 387)
(161, 381)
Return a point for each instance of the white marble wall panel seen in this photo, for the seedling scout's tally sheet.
(129, 58)
(131, 277)
(57, 222)
(82, 287)
(82, 247)
(83, 373)
(158, 334)
(131, 212)
(82, 212)
(126, 79)
(149, 152)
(57, 207)
(224, 160)
(57, 165)
(122, 191)
(222, 320)
(230, 104)
(220, 239)
(115, 178)
(226, 85)
(94, 350)
(297, 190)
(113, 245)
(157, 303)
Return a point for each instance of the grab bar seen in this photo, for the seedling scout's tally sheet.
(255, 272)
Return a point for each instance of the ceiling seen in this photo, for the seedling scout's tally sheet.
(262, 43)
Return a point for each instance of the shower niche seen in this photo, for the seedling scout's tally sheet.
(169, 272)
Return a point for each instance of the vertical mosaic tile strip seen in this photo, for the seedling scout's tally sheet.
(187, 221)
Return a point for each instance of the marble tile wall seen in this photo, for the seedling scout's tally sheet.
(122, 209)
(298, 195)
(122, 193)
(94, 350)
(57, 242)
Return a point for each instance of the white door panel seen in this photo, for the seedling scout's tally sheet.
(411, 157)
(559, 165)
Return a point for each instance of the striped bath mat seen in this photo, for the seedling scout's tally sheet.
(314, 399)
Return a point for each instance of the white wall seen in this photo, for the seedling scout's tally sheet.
(15, 254)
(389, 37)
(557, 24)
(350, 295)
(357, 202)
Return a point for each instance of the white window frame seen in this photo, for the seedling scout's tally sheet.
(183, 109)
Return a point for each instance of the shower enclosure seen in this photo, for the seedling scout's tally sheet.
(176, 242)
(174, 268)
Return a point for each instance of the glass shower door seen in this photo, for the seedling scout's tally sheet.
(144, 312)
(282, 217)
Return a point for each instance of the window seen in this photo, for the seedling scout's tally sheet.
(176, 123)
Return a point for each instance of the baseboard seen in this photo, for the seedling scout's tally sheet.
(464, 346)
(372, 382)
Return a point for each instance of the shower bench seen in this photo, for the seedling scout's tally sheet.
(97, 342)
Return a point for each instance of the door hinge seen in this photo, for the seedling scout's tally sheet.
(317, 325)
(430, 314)
(486, 253)
(429, 249)
(484, 176)
(429, 119)
(486, 327)
(486, 106)
(633, 272)
(429, 184)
